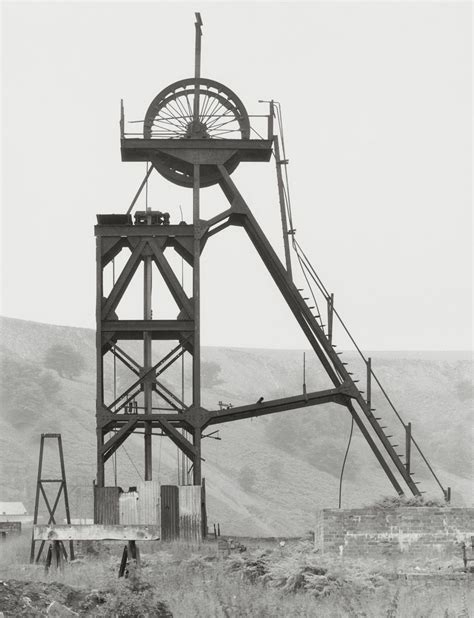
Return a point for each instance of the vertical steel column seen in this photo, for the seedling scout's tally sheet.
(66, 498)
(197, 67)
(304, 375)
(197, 477)
(99, 362)
(369, 383)
(330, 302)
(35, 515)
(197, 323)
(147, 363)
(281, 197)
(196, 292)
(408, 447)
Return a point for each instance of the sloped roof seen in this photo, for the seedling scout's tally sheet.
(12, 508)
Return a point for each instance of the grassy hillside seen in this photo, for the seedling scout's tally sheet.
(265, 476)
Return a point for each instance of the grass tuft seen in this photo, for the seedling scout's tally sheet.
(266, 581)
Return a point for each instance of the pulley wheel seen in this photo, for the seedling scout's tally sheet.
(170, 115)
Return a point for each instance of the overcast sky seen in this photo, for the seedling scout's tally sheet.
(377, 105)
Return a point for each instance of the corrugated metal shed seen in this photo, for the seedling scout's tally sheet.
(106, 505)
(128, 507)
(149, 502)
(169, 512)
(190, 513)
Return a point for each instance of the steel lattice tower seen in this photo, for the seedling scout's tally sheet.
(195, 134)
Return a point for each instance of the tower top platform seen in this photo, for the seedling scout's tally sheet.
(197, 121)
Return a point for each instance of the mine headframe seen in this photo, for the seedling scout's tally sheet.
(195, 134)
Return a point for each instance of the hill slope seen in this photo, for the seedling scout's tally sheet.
(265, 476)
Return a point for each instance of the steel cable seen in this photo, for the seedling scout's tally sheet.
(307, 267)
(344, 461)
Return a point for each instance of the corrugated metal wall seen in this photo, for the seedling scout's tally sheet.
(106, 505)
(179, 510)
(128, 505)
(169, 512)
(190, 513)
(149, 502)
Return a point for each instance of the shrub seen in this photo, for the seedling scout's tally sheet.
(210, 371)
(393, 502)
(247, 478)
(65, 360)
(134, 597)
(25, 390)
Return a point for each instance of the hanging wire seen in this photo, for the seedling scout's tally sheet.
(345, 459)
(182, 477)
(114, 460)
(146, 186)
(132, 462)
(159, 456)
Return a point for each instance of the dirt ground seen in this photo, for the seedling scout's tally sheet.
(36, 598)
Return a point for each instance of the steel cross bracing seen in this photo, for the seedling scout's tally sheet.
(195, 133)
(60, 489)
(152, 240)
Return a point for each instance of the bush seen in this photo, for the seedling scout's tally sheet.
(210, 374)
(393, 502)
(26, 390)
(65, 360)
(134, 597)
(247, 478)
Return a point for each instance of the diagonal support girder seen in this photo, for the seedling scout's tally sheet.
(123, 280)
(108, 448)
(283, 404)
(314, 333)
(171, 280)
(181, 442)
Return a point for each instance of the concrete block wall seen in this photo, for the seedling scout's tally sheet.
(377, 532)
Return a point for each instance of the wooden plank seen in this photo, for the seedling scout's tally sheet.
(96, 532)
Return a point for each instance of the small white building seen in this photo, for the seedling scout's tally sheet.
(14, 511)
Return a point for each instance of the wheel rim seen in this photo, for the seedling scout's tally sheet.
(222, 114)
